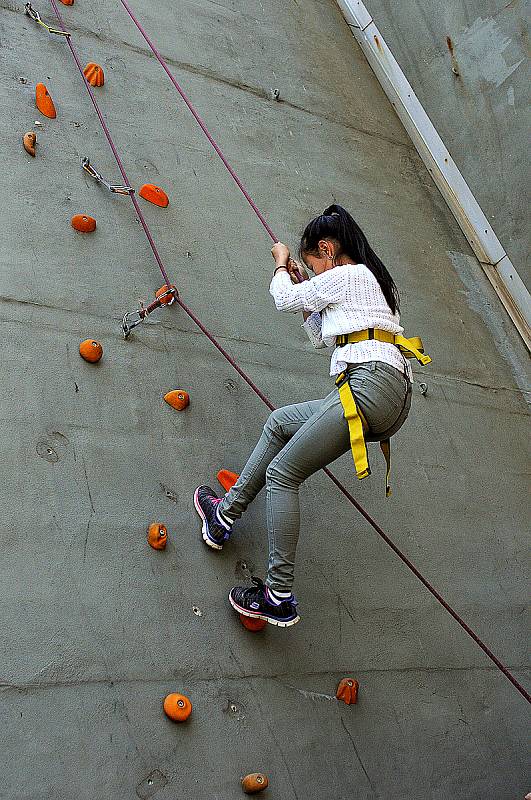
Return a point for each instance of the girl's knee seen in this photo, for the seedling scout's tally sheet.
(281, 474)
(273, 424)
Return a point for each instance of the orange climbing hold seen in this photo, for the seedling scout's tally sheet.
(252, 623)
(169, 298)
(347, 691)
(90, 350)
(83, 223)
(227, 479)
(157, 536)
(255, 782)
(154, 194)
(94, 74)
(178, 399)
(29, 141)
(44, 102)
(177, 707)
(67, 2)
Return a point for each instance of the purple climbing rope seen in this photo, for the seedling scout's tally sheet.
(201, 123)
(440, 599)
(106, 131)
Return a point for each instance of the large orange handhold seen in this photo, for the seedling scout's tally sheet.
(154, 194)
(90, 350)
(178, 399)
(347, 691)
(44, 102)
(227, 478)
(177, 707)
(252, 623)
(157, 536)
(29, 140)
(83, 223)
(169, 298)
(94, 74)
(255, 782)
(67, 2)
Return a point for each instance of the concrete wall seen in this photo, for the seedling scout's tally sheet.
(475, 88)
(96, 627)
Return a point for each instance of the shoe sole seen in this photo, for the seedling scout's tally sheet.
(279, 623)
(204, 527)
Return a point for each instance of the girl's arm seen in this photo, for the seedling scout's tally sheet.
(313, 295)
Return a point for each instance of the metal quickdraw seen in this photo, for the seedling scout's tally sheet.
(34, 15)
(165, 296)
(112, 187)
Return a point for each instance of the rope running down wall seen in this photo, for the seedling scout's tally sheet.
(229, 358)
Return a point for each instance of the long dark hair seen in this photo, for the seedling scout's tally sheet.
(337, 224)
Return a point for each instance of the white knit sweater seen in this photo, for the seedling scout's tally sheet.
(344, 299)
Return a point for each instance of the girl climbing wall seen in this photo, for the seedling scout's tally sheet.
(352, 305)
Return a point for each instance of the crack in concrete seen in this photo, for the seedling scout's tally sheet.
(241, 340)
(273, 735)
(362, 765)
(194, 679)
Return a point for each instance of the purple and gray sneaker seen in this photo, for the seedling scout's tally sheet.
(260, 603)
(215, 529)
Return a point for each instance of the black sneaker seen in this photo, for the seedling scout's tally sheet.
(256, 601)
(215, 529)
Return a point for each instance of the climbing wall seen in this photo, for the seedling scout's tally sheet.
(98, 627)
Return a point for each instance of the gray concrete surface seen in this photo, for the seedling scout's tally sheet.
(475, 89)
(96, 627)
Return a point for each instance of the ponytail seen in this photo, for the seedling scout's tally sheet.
(337, 224)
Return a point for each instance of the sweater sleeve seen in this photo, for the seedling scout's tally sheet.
(312, 295)
(312, 326)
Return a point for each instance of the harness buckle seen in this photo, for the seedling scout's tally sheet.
(36, 17)
(341, 379)
(112, 187)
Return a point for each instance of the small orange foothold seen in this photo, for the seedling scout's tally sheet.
(227, 478)
(252, 623)
(157, 536)
(29, 141)
(83, 223)
(178, 399)
(347, 691)
(94, 74)
(44, 102)
(255, 782)
(177, 707)
(170, 298)
(154, 194)
(67, 2)
(90, 350)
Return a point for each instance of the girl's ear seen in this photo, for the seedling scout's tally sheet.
(323, 247)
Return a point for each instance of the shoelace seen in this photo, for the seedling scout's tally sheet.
(260, 585)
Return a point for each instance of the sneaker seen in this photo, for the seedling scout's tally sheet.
(215, 529)
(258, 602)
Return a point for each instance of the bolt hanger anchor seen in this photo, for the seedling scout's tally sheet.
(36, 17)
(112, 187)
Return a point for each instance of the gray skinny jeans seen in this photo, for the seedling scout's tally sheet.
(300, 439)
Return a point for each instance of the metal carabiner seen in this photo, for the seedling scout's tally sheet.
(165, 296)
(34, 15)
(117, 189)
(131, 319)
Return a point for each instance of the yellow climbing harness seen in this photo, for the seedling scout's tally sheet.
(357, 424)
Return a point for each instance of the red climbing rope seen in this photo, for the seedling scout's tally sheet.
(229, 358)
